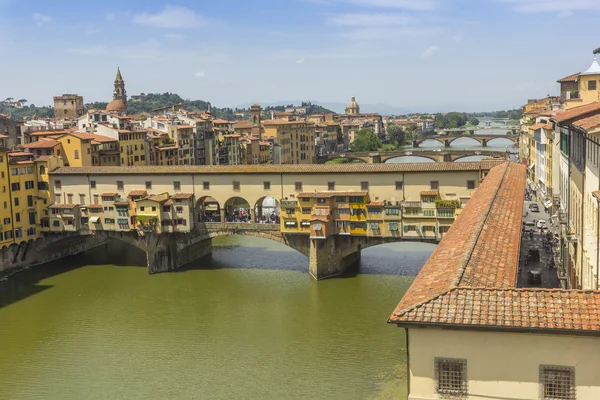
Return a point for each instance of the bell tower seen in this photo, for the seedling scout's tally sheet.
(119, 93)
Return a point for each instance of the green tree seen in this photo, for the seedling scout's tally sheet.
(474, 121)
(396, 135)
(451, 120)
(366, 140)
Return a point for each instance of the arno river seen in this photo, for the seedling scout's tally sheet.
(248, 323)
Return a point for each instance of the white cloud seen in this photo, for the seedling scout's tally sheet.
(172, 17)
(388, 33)
(41, 18)
(547, 6)
(415, 5)
(177, 36)
(200, 74)
(368, 19)
(431, 50)
(300, 61)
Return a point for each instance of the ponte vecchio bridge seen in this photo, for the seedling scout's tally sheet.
(326, 212)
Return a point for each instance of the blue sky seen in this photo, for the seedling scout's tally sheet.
(430, 55)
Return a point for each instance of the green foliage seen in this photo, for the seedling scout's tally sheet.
(447, 204)
(26, 112)
(388, 147)
(474, 121)
(366, 140)
(312, 108)
(396, 135)
(451, 120)
(344, 160)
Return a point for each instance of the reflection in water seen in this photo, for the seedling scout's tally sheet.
(247, 323)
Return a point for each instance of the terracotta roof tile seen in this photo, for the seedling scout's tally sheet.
(138, 193)
(470, 279)
(570, 78)
(376, 204)
(588, 122)
(109, 194)
(535, 127)
(483, 165)
(578, 112)
(182, 196)
(41, 144)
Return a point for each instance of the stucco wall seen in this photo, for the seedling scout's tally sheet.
(502, 365)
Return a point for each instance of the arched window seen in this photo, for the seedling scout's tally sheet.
(42, 170)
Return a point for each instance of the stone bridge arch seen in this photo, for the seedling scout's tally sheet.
(386, 158)
(509, 138)
(438, 139)
(352, 158)
(451, 139)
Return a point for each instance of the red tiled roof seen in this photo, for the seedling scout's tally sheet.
(182, 196)
(110, 194)
(588, 122)
(41, 144)
(377, 203)
(470, 279)
(330, 194)
(138, 193)
(160, 198)
(535, 127)
(570, 78)
(545, 309)
(578, 112)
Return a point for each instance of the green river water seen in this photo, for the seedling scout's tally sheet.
(246, 323)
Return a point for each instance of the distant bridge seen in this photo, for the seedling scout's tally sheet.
(434, 155)
(447, 140)
(513, 129)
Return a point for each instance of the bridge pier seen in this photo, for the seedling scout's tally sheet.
(332, 256)
(167, 252)
(446, 143)
(415, 144)
(484, 142)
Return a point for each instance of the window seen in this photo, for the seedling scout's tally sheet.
(330, 185)
(120, 185)
(176, 185)
(57, 184)
(356, 199)
(392, 211)
(148, 185)
(429, 213)
(364, 185)
(451, 376)
(142, 208)
(16, 202)
(298, 186)
(93, 184)
(206, 185)
(57, 198)
(6, 221)
(236, 185)
(470, 184)
(374, 210)
(18, 217)
(591, 85)
(179, 209)
(76, 154)
(30, 170)
(30, 201)
(14, 171)
(109, 221)
(96, 197)
(434, 185)
(267, 185)
(557, 383)
(306, 210)
(15, 186)
(153, 208)
(29, 185)
(399, 185)
(341, 200)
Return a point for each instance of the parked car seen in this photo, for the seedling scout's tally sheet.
(541, 224)
(535, 277)
(533, 207)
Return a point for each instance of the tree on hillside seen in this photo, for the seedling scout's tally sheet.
(474, 121)
(396, 135)
(366, 140)
(451, 120)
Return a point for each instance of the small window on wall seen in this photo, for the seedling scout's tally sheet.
(470, 185)
(330, 185)
(451, 376)
(591, 85)
(434, 185)
(236, 186)
(557, 383)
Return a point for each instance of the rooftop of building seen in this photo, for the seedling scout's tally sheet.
(42, 144)
(331, 193)
(483, 165)
(535, 127)
(570, 78)
(470, 280)
(577, 113)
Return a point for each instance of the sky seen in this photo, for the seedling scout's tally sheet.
(418, 55)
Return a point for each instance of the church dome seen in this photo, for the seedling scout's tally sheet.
(116, 105)
(353, 107)
(353, 103)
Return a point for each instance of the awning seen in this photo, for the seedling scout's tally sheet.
(94, 220)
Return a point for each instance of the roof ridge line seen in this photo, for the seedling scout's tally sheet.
(422, 303)
(456, 281)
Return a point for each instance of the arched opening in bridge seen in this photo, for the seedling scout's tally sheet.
(237, 209)
(431, 143)
(267, 210)
(500, 142)
(465, 142)
(208, 210)
(409, 159)
(471, 158)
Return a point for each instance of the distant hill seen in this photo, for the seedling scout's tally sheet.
(313, 108)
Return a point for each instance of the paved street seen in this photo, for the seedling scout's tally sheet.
(549, 276)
